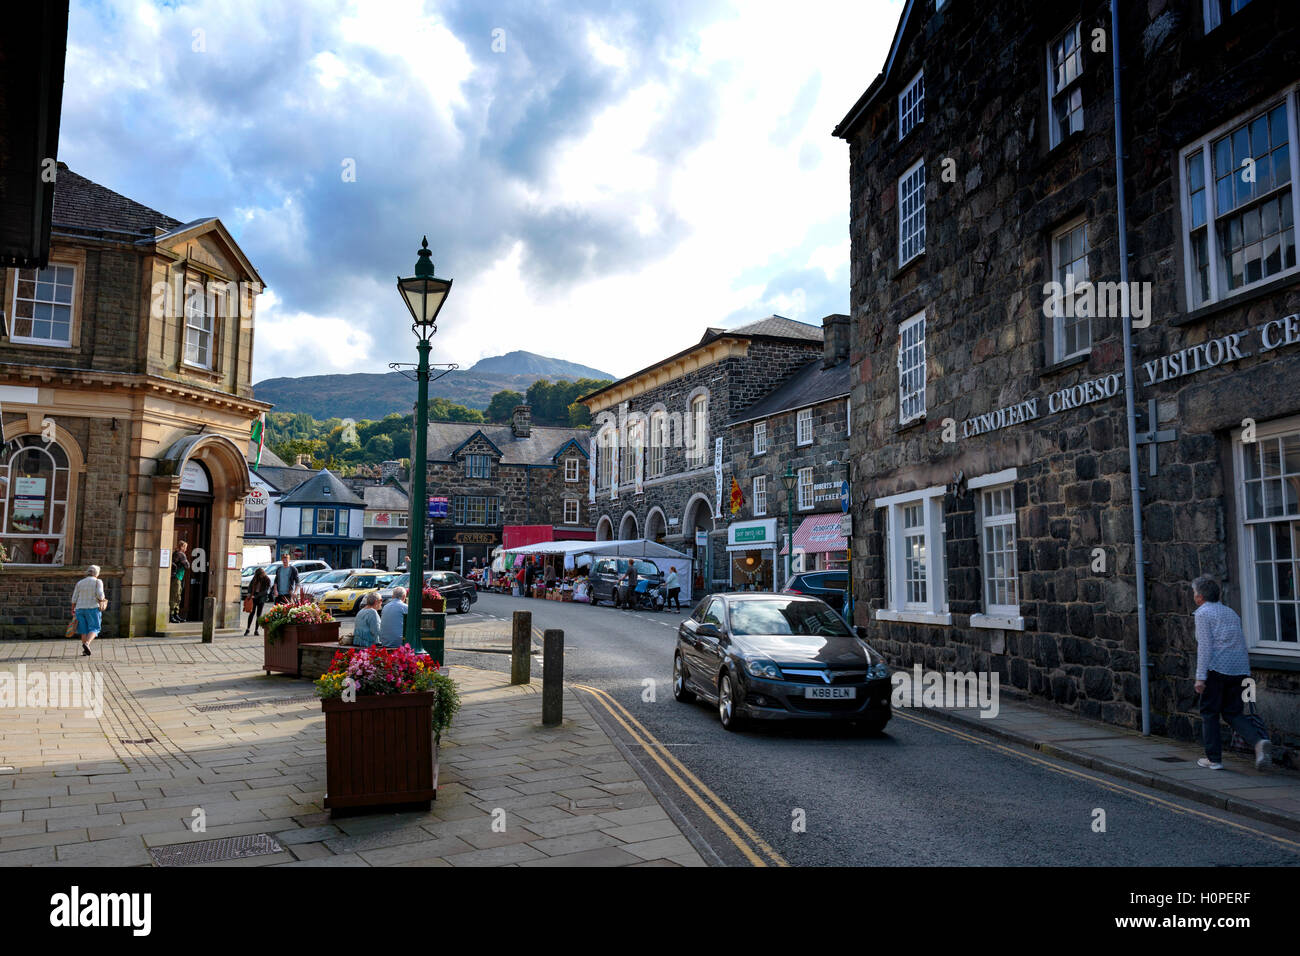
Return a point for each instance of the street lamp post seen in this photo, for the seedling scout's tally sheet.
(788, 479)
(424, 295)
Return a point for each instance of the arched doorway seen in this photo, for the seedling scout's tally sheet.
(604, 529)
(627, 528)
(698, 517)
(656, 528)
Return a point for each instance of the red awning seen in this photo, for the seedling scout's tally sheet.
(819, 533)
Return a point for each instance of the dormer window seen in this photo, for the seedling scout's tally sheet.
(477, 466)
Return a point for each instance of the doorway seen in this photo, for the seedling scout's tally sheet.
(193, 524)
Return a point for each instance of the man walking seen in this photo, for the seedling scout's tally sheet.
(1222, 668)
(392, 623)
(286, 580)
(180, 568)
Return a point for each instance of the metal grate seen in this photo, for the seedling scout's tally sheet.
(215, 851)
(240, 705)
(142, 740)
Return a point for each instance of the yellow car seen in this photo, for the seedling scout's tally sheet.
(346, 598)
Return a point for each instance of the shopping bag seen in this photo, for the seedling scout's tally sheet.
(72, 627)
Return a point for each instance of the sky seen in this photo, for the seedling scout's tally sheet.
(602, 179)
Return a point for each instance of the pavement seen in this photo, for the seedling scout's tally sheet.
(193, 743)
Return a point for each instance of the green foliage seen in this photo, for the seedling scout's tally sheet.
(556, 403)
(503, 404)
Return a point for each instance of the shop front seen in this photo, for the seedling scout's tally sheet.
(820, 545)
(751, 548)
(462, 551)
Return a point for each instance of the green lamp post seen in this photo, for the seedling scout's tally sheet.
(789, 479)
(424, 295)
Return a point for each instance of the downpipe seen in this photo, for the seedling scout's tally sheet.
(1135, 490)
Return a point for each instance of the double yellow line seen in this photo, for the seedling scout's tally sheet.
(749, 843)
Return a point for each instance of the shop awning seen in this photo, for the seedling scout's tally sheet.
(819, 533)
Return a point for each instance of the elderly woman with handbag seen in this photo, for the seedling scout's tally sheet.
(88, 604)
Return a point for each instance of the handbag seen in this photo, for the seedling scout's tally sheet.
(72, 627)
(248, 604)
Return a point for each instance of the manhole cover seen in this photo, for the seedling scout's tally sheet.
(214, 851)
(142, 740)
(239, 705)
(1172, 759)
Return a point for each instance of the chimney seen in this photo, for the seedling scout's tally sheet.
(521, 422)
(390, 469)
(835, 340)
(302, 461)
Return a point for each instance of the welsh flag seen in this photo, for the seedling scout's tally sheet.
(258, 434)
(737, 499)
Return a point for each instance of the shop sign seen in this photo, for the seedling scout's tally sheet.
(753, 533)
(474, 537)
(28, 510)
(256, 500)
(194, 478)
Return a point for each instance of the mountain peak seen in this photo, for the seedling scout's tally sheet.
(520, 362)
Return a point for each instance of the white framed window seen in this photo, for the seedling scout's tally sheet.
(570, 510)
(911, 369)
(759, 496)
(34, 490)
(760, 438)
(255, 522)
(324, 520)
(1239, 204)
(916, 578)
(699, 432)
(477, 466)
(604, 474)
(343, 522)
(911, 105)
(998, 563)
(658, 443)
(493, 510)
(629, 453)
(804, 426)
(42, 306)
(911, 213)
(198, 327)
(1268, 524)
(1071, 332)
(307, 521)
(1064, 86)
(1216, 10)
(805, 489)
(570, 469)
(475, 510)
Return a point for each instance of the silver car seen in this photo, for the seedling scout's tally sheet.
(326, 582)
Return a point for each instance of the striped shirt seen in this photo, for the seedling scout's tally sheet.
(88, 593)
(1220, 643)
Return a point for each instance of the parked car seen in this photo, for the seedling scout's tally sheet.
(831, 586)
(458, 592)
(775, 657)
(319, 583)
(346, 597)
(400, 581)
(605, 574)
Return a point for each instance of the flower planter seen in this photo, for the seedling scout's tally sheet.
(380, 751)
(281, 653)
(433, 604)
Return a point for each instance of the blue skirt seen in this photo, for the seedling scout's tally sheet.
(88, 620)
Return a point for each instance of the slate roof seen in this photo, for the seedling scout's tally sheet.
(86, 206)
(284, 479)
(780, 327)
(385, 497)
(322, 488)
(810, 385)
(269, 458)
(538, 448)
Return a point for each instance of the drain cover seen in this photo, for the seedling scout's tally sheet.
(239, 705)
(215, 851)
(142, 740)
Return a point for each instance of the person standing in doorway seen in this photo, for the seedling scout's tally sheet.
(674, 588)
(180, 568)
(286, 580)
(258, 591)
(1222, 669)
(88, 603)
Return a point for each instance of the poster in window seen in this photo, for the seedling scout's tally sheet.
(28, 515)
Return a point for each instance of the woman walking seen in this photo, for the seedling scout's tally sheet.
(258, 590)
(88, 603)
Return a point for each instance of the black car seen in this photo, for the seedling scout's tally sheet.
(776, 657)
(458, 592)
(606, 573)
(831, 586)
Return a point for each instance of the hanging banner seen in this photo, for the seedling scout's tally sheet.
(717, 477)
(613, 469)
(637, 449)
(591, 473)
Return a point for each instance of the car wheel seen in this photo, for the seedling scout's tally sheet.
(680, 693)
(463, 606)
(727, 712)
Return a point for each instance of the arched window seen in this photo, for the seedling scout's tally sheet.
(658, 442)
(606, 452)
(34, 479)
(699, 432)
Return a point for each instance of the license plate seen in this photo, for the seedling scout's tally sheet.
(831, 693)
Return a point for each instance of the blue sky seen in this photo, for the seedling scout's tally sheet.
(602, 180)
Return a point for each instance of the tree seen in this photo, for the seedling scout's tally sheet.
(502, 405)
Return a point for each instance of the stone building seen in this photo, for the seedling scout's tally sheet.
(994, 527)
(801, 428)
(387, 519)
(660, 462)
(494, 476)
(126, 406)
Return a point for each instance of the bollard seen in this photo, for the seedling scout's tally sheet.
(521, 646)
(209, 618)
(552, 678)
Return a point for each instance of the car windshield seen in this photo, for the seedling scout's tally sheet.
(332, 577)
(362, 581)
(312, 576)
(786, 617)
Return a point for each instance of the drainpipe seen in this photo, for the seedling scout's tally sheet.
(1135, 489)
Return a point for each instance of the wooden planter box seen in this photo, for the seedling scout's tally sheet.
(426, 604)
(281, 655)
(379, 751)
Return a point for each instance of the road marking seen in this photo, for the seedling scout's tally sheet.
(1107, 784)
(658, 751)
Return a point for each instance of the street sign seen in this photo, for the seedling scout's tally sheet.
(256, 500)
(846, 525)
(701, 539)
(844, 496)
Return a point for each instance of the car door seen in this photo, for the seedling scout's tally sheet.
(702, 653)
(688, 642)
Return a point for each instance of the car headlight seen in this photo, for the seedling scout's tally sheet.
(877, 671)
(762, 668)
